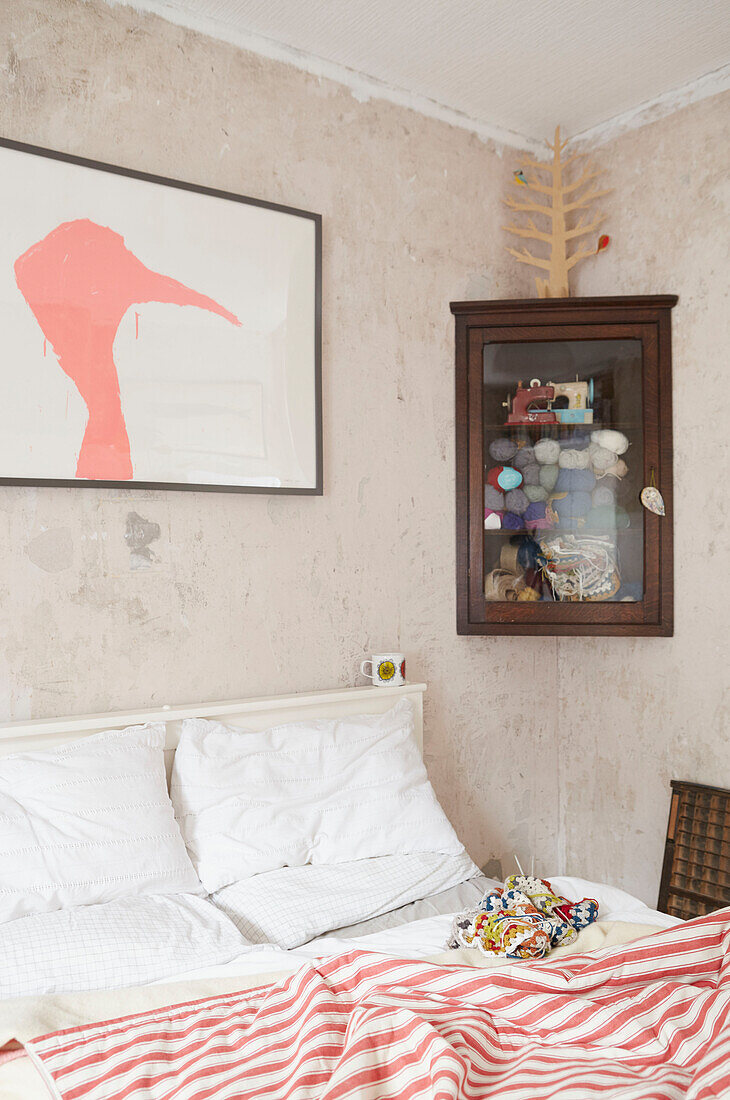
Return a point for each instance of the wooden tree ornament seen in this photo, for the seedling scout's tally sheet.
(563, 201)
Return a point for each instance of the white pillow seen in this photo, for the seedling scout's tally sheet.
(89, 822)
(323, 791)
(292, 905)
(131, 941)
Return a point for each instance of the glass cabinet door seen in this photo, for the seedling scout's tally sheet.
(563, 470)
(559, 428)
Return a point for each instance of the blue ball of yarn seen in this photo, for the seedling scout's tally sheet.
(575, 481)
(535, 511)
(571, 508)
(511, 522)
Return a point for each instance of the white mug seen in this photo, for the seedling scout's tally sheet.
(386, 669)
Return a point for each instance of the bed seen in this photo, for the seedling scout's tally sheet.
(400, 1001)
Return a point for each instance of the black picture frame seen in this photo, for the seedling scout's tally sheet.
(317, 488)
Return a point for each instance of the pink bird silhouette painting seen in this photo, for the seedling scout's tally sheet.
(79, 281)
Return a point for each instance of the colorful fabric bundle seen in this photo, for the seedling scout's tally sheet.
(525, 920)
(581, 567)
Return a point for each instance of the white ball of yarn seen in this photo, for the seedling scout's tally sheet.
(601, 458)
(547, 451)
(572, 459)
(611, 440)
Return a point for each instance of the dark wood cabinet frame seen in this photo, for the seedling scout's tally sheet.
(644, 318)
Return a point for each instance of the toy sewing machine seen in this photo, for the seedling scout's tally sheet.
(555, 403)
(531, 404)
(572, 400)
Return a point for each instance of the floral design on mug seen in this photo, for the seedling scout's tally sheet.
(386, 670)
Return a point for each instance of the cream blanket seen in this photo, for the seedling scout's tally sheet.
(27, 1017)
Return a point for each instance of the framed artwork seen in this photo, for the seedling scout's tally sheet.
(153, 333)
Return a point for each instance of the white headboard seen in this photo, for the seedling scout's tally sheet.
(250, 714)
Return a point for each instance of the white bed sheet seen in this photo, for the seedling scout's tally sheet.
(420, 939)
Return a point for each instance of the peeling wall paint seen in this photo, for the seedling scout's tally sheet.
(139, 535)
(561, 750)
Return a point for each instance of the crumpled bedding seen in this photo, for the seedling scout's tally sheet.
(23, 1018)
(649, 1020)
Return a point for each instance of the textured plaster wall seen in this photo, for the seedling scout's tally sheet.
(110, 599)
(634, 714)
(242, 595)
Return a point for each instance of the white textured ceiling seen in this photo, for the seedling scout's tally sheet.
(515, 65)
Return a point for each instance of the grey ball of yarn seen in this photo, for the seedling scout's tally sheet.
(573, 459)
(493, 499)
(535, 493)
(525, 457)
(600, 458)
(531, 475)
(547, 451)
(549, 476)
(516, 501)
(503, 449)
(603, 496)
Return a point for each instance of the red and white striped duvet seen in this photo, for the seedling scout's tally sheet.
(647, 1021)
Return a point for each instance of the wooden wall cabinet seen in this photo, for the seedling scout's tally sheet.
(592, 560)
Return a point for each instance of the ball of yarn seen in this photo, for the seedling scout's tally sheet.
(493, 499)
(535, 492)
(492, 520)
(503, 449)
(611, 440)
(573, 459)
(531, 475)
(516, 501)
(571, 507)
(549, 476)
(504, 477)
(603, 495)
(547, 451)
(618, 470)
(536, 518)
(512, 522)
(525, 457)
(600, 458)
(572, 480)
